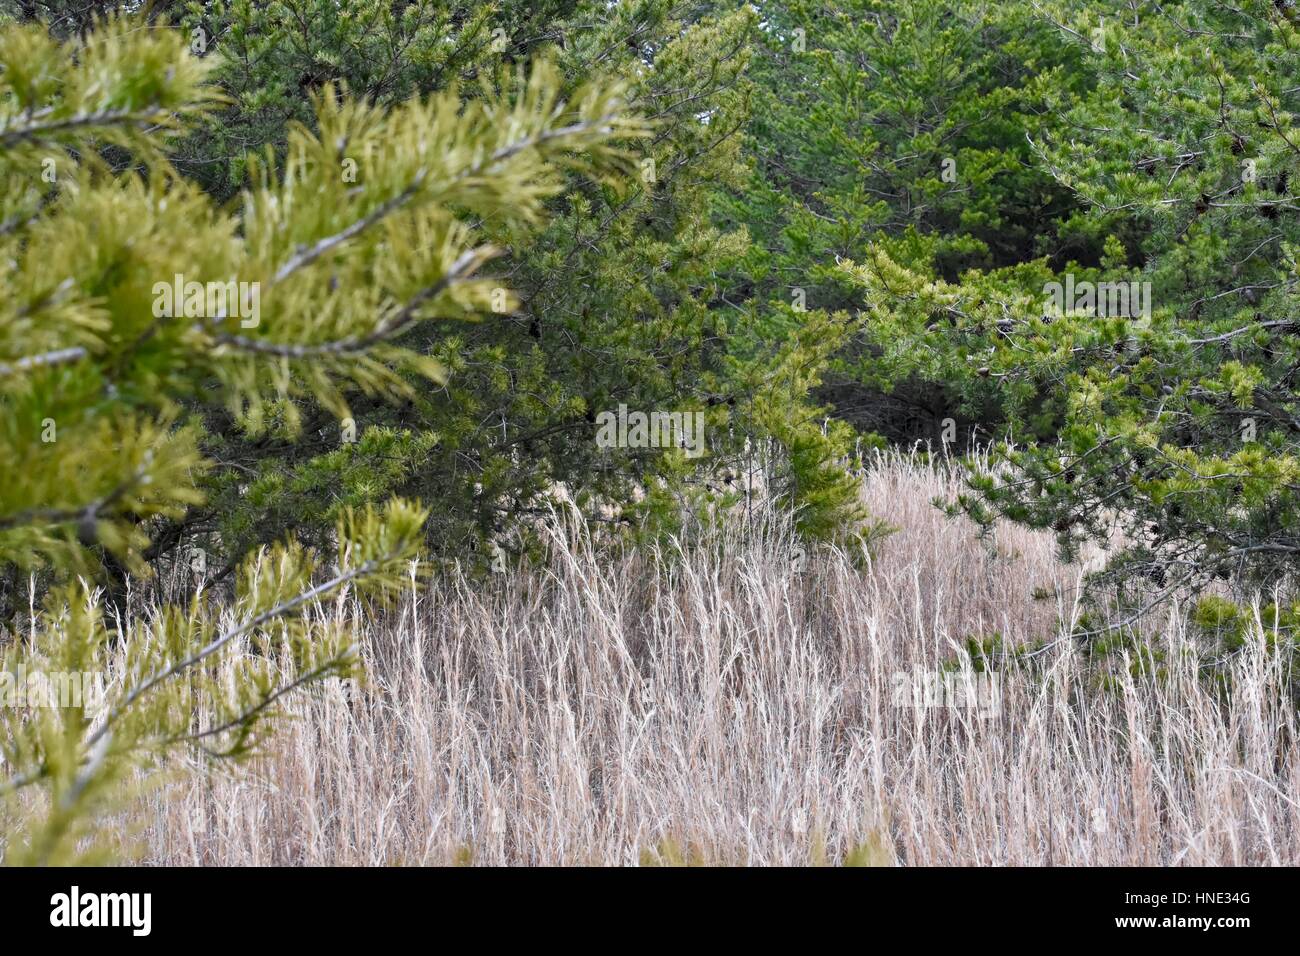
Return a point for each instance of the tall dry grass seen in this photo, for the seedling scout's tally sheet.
(723, 706)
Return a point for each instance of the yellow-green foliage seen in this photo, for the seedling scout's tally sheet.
(366, 229)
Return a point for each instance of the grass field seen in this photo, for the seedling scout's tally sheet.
(728, 705)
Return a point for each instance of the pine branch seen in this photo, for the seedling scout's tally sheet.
(36, 131)
(244, 717)
(464, 266)
(45, 360)
(307, 256)
(85, 516)
(172, 670)
(211, 648)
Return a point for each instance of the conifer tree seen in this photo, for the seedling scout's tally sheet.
(133, 302)
(624, 299)
(897, 135)
(1181, 422)
(1067, 227)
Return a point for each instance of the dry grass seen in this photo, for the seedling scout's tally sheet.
(722, 707)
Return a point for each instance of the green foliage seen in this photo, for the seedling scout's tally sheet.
(621, 298)
(345, 265)
(169, 680)
(107, 377)
(1177, 429)
(896, 135)
(933, 180)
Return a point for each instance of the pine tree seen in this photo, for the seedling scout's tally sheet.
(621, 299)
(1181, 424)
(133, 302)
(1115, 157)
(896, 135)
